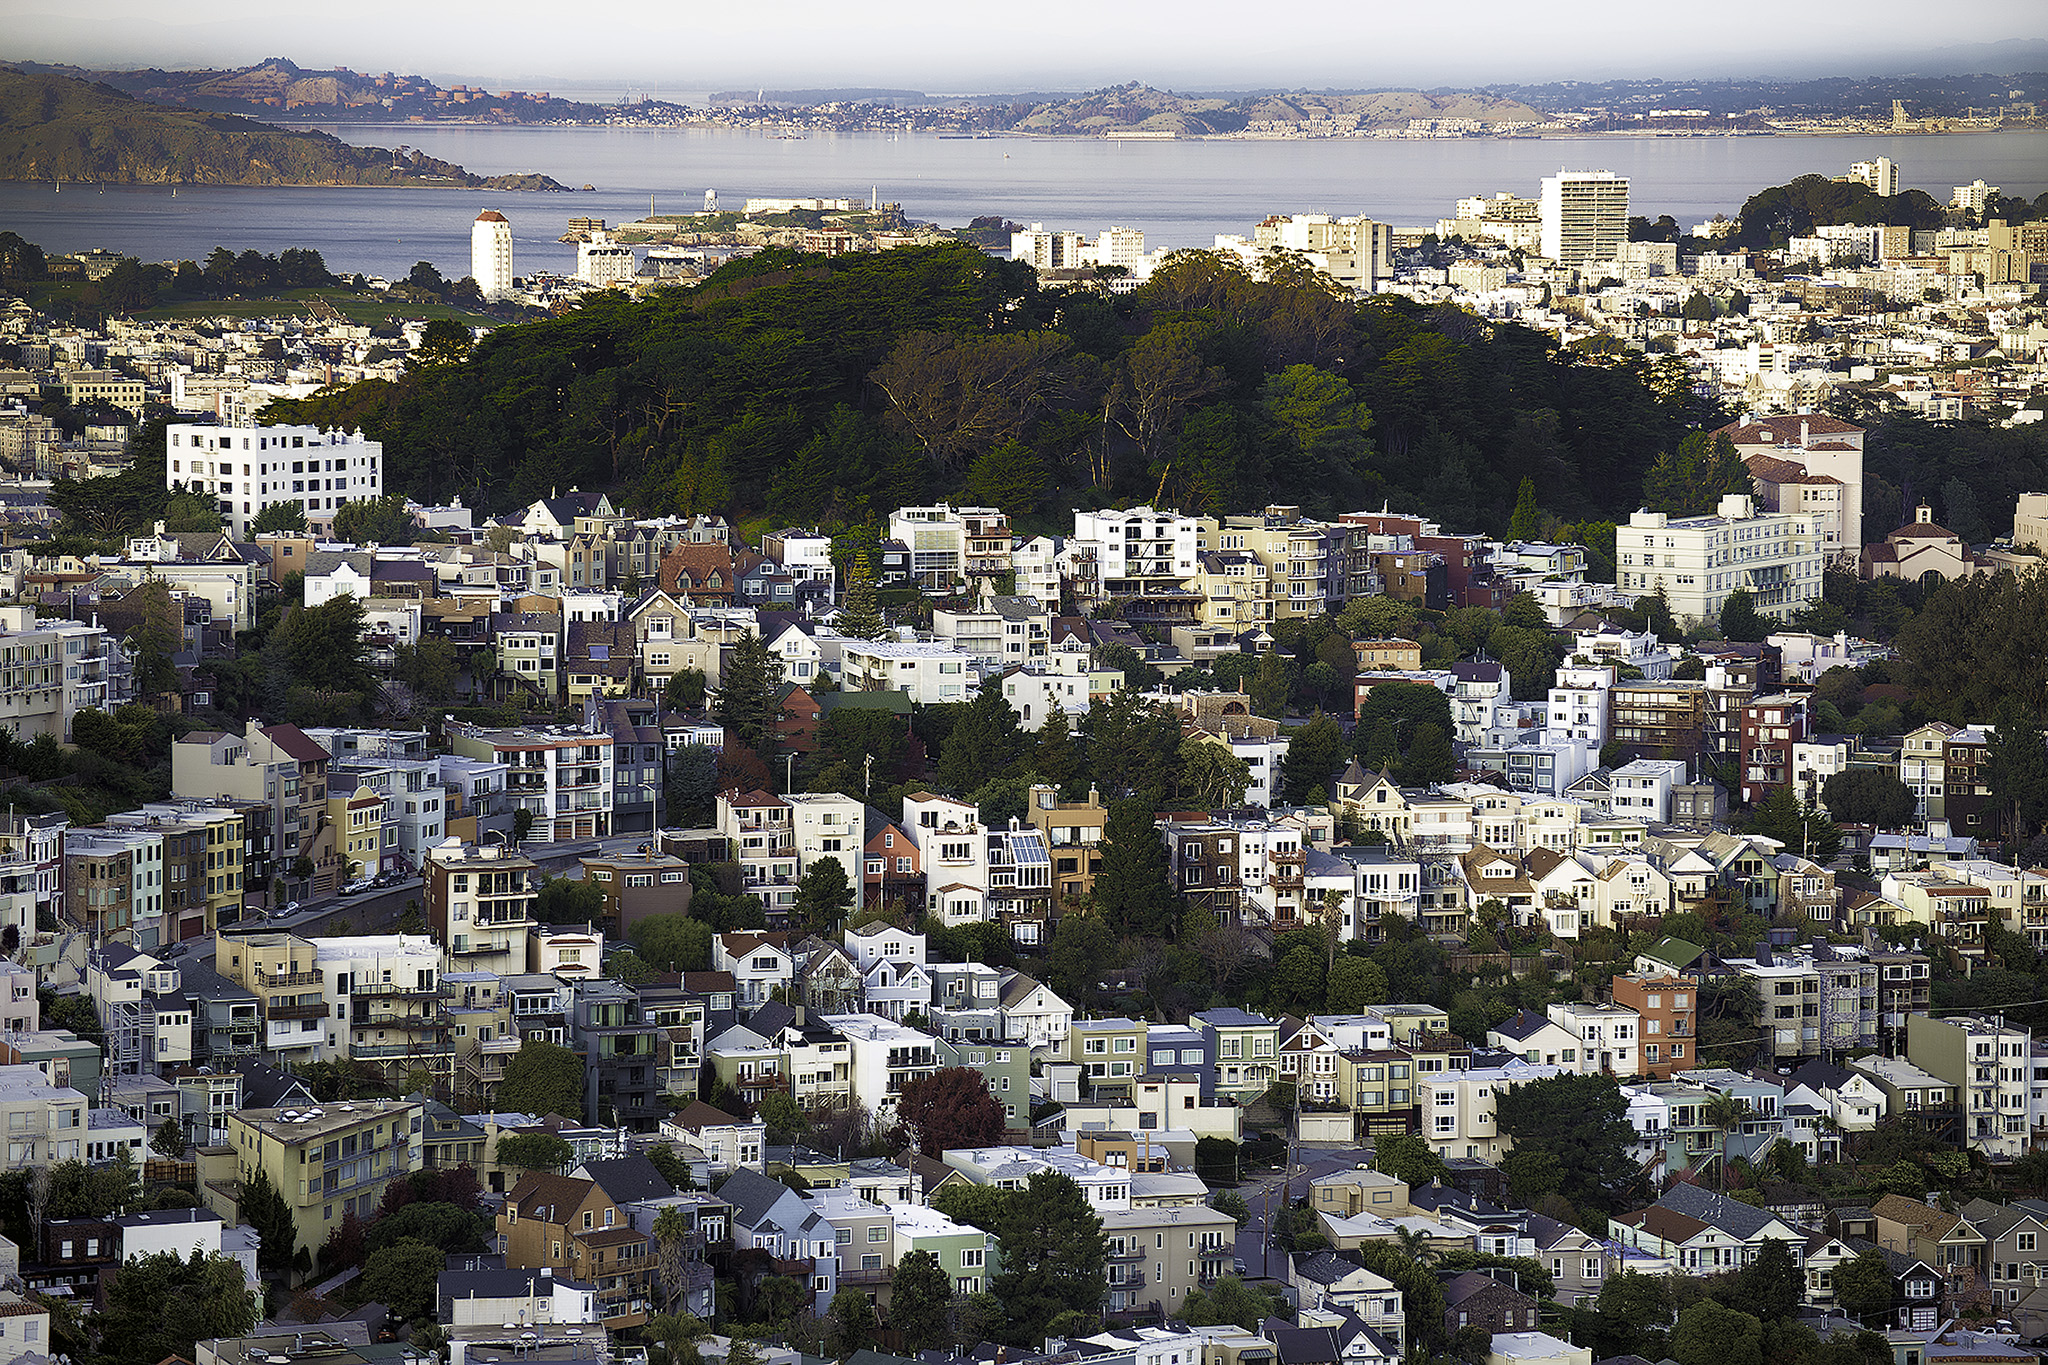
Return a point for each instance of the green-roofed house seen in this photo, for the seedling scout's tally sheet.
(1668, 956)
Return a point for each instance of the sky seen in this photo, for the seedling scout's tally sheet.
(953, 46)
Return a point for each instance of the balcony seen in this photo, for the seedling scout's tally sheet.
(317, 1010)
(275, 982)
(393, 1019)
(375, 1051)
(390, 988)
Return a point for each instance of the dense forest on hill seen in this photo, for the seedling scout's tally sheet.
(834, 390)
(60, 128)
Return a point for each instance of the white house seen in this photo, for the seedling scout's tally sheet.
(1643, 788)
(174, 1232)
(758, 962)
(932, 674)
(883, 942)
(886, 1057)
(1608, 1035)
(1034, 1016)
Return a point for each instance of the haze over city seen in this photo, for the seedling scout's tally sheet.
(944, 47)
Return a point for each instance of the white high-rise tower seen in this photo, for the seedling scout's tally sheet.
(490, 254)
(1584, 216)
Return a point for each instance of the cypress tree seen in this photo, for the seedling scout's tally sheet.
(859, 617)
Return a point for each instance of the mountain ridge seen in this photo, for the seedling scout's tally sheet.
(61, 128)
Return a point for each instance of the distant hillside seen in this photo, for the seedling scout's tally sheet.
(1143, 109)
(280, 88)
(61, 128)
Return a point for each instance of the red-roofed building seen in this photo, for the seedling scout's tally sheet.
(703, 573)
(1821, 449)
(1919, 548)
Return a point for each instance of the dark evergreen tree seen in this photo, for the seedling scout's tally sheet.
(1133, 893)
(859, 618)
(1740, 620)
(1053, 1256)
(747, 688)
(920, 1301)
(1055, 759)
(1526, 521)
(1581, 1123)
(985, 742)
(1315, 753)
(264, 1209)
(1430, 758)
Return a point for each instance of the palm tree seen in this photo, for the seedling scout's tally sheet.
(676, 1333)
(1726, 1113)
(1415, 1242)
(671, 1233)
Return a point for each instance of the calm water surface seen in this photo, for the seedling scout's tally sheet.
(1178, 193)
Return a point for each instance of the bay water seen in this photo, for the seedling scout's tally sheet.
(1180, 193)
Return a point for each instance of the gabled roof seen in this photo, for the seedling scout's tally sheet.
(1896, 1208)
(752, 1196)
(1325, 1267)
(1461, 1288)
(625, 1179)
(551, 1198)
(1525, 1023)
(1717, 1210)
(697, 1116)
(295, 743)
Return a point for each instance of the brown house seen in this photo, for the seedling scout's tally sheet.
(1669, 1010)
(1476, 1299)
(796, 728)
(574, 1229)
(636, 885)
(703, 573)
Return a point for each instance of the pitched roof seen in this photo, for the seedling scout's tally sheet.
(1896, 1208)
(1460, 1288)
(1717, 1210)
(558, 1194)
(295, 743)
(628, 1178)
(752, 1195)
(1524, 1024)
(697, 1115)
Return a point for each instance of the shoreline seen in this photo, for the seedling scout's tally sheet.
(1135, 134)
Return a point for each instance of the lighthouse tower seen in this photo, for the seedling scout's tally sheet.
(490, 254)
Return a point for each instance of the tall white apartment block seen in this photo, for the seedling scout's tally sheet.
(1698, 561)
(1972, 196)
(490, 254)
(827, 825)
(1122, 246)
(246, 469)
(1881, 175)
(1137, 547)
(1584, 215)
